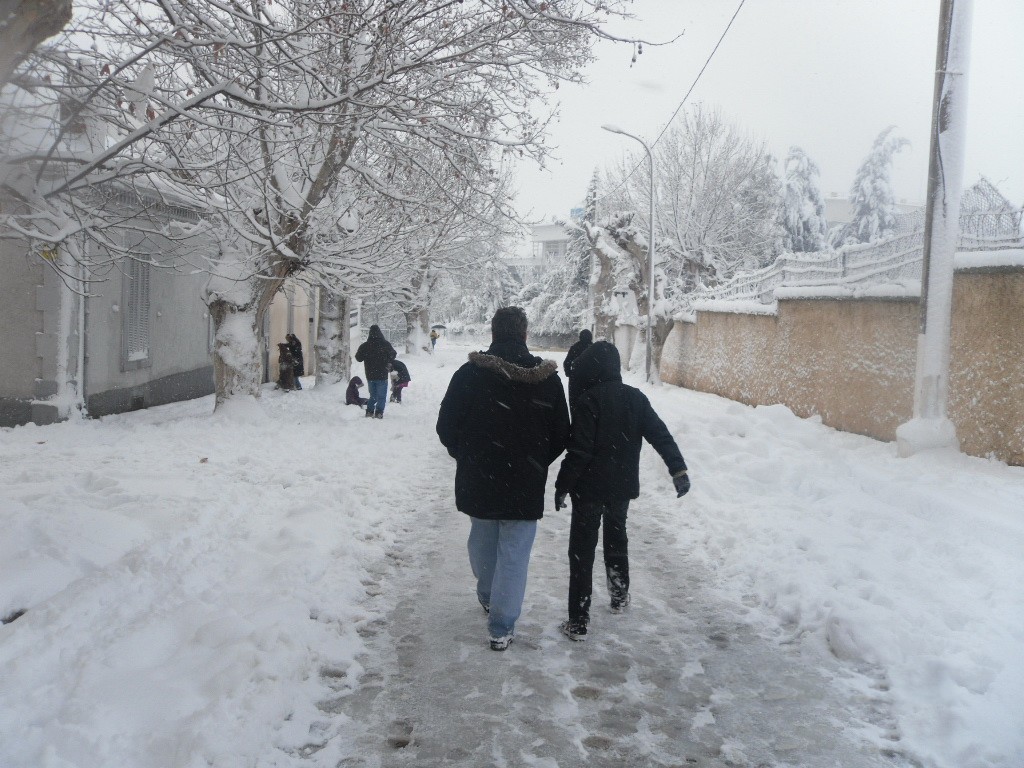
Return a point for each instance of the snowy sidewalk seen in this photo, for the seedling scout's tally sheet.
(286, 584)
(678, 680)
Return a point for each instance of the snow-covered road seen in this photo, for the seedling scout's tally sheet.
(286, 584)
(678, 680)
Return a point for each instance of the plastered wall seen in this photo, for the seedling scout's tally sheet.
(853, 361)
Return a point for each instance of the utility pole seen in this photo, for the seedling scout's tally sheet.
(931, 426)
(650, 251)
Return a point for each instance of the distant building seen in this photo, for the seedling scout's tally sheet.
(985, 213)
(547, 245)
(839, 210)
(550, 242)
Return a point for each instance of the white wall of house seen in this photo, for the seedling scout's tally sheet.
(49, 339)
(293, 310)
(165, 317)
(19, 318)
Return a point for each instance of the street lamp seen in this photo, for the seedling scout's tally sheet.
(650, 245)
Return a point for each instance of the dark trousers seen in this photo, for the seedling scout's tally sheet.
(583, 531)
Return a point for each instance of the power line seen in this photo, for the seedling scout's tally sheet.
(681, 103)
(697, 79)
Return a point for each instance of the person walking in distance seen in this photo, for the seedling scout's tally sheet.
(375, 354)
(601, 474)
(504, 420)
(433, 338)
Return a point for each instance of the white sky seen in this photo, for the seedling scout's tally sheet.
(827, 75)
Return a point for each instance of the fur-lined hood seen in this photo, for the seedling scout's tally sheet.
(512, 371)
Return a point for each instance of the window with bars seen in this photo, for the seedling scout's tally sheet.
(136, 313)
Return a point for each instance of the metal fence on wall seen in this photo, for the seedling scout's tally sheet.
(897, 259)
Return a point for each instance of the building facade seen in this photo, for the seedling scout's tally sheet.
(104, 332)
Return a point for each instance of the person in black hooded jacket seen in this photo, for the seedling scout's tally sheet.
(375, 354)
(601, 474)
(577, 349)
(504, 420)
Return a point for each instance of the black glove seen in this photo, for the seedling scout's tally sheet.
(560, 500)
(682, 484)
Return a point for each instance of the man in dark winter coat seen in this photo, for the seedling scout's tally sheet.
(375, 353)
(601, 473)
(577, 349)
(504, 420)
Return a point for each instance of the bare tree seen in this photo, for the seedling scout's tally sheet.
(283, 122)
(716, 209)
(313, 83)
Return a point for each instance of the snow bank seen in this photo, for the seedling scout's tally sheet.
(197, 586)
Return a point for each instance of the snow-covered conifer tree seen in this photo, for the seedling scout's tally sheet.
(561, 302)
(465, 300)
(871, 196)
(803, 210)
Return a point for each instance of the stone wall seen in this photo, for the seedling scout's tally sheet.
(853, 361)
(986, 379)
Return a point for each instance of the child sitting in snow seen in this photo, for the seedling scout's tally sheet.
(352, 393)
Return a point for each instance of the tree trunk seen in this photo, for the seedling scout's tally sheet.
(334, 338)
(416, 331)
(604, 323)
(662, 328)
(24, 24)
(236, 356)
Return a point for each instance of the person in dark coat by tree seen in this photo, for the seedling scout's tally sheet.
(285, 367)
(601, 474)
(298, 363)
(577, 349)
(375, 353)
(504, 421)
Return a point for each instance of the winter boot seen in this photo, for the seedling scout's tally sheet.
(501, 643)
(378, 415)
(574, 630)
(369, 414)
(619, 604)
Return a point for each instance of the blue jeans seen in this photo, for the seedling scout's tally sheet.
(499, 553)
(378, 395)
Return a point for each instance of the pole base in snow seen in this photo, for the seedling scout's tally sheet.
(925, 435)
